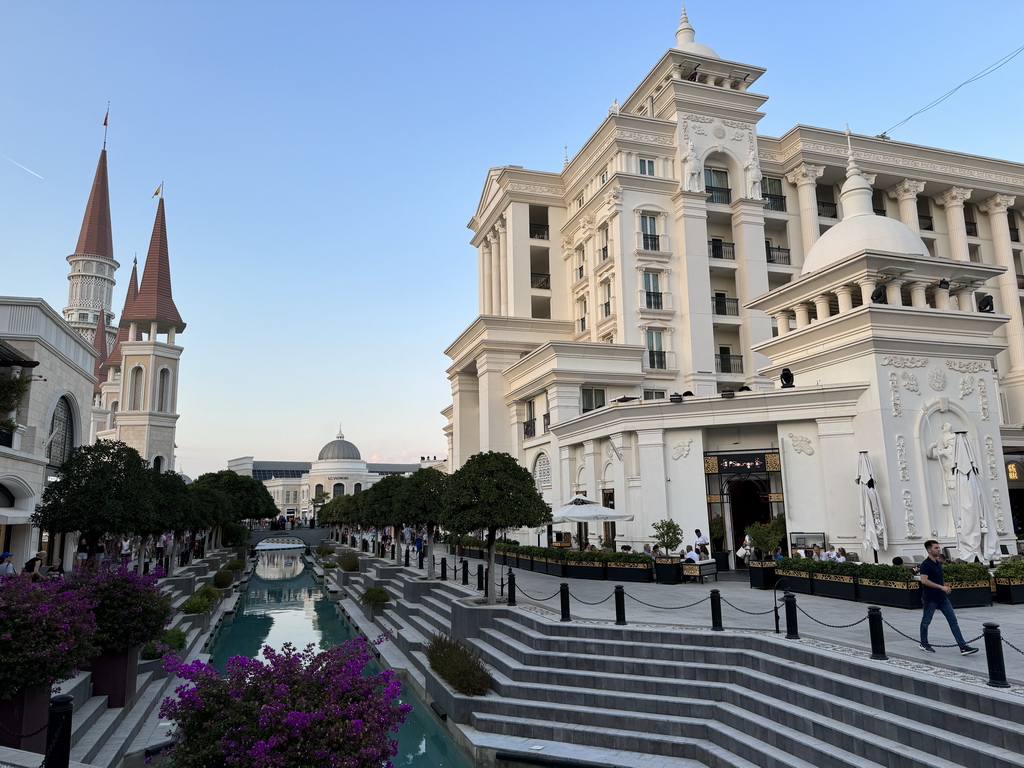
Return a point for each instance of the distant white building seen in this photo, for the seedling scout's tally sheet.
(637, 310)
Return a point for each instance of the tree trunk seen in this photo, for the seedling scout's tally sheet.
(489, 576)
(430, 551)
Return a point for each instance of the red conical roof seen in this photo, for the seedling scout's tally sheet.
(99, 343)
(114, 358)
(95, 238)
(154, 301)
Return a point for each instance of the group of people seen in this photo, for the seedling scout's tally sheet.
(823, 555)
(36, 566)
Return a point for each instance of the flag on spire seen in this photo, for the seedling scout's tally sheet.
(105, 117)
(159, 190)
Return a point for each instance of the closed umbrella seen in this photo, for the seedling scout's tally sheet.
(872, 517)
(976, 526)
(580, 509)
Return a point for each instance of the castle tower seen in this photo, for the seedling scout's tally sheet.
(92, 264)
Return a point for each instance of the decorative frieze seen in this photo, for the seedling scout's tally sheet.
(993, 465)
(937, 379)
(966, 386)
(909, 381)
(908, 515)
(802, 444)
(997, 503)
(983, 399)
(967, 366)
(901, 458)
(894, 385)
(681, 450)
(904, 361)
(536, 189)
(644, 138)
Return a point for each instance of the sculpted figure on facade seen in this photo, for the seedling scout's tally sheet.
(693, 170)
(752, 168)
(942, 450)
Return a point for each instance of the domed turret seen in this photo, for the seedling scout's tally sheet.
(339, 450)
(685, 39)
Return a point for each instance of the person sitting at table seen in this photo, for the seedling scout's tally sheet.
(777, 554)
(830, 553)
(840, 555)
(647, 550)
(657, 551)
(817, 553)
(691, 555)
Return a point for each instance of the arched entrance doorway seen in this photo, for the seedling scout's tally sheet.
(748, 504)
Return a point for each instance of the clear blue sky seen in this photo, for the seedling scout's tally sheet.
(321, 161)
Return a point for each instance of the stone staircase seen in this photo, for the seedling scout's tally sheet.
(737, 699)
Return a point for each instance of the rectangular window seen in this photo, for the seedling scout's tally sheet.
(652, 290)
(649, 230)
(581, 263)
(581, 306)
(606, 296)
(602, 238)
(591, 399)
(771, 191)
(655, 350)
(646, 166)
(654, 394)
(579, 203)
(604, 177)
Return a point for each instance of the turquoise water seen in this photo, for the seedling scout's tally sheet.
(282, 603)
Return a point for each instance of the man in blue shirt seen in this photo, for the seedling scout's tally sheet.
(934, 596)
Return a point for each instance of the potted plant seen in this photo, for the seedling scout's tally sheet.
(888, 585)
(585, 565)
(832, 579)
(375, 598)
(719, 551)
(766, 537)
(668, 536)
(48, 633)
(1009, 578)
(794, 574)
(629, 566)
(970, 584)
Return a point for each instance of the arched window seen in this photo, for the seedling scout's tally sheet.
(158, 463)
(62, 434)
(319, 489)
(357, 488)
(137, 389)
(339, 490)
(163, 391)
(114, 406)
(542, 471)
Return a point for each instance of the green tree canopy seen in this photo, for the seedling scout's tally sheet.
(383, 502)
(106, 487)
(248, 497)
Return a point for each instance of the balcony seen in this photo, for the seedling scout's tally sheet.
(776, 255)
(972, 228)
(925, 223)
(547, 423)
(539, 232)
(653, 299)
(529, 429)
(719, 195)
(540, 280)
(827, 210)
(729, 363)
(656, 359)
(650, 242)
(603, 252)
(722, 305)
(719, 250)
(774, 203)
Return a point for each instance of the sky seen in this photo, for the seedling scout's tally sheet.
(321, 160)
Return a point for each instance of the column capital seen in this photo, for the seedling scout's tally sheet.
(954, 197)
(499, 225)
(805, 173)
(492, 238)
(908, 189)
(997, 204)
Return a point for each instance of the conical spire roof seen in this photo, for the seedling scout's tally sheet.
(95, 238)
(114, 358)
(99, 343)
(154, 301)
(685, 35)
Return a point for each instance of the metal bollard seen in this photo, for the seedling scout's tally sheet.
(877, 636)
(792, 632)
(58, 731)
(511, 587)
(994, 655)
(465, 573)
(444, 569)
(420, 566)
(716, 611)
(563, 591)
(480, 576)
(487, 580)
(394, 552)
(620, 605)
(407, 556)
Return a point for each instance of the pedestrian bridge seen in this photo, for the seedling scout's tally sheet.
(280, 542)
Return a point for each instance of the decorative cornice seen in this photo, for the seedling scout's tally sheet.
(536, 189)
(644, 138)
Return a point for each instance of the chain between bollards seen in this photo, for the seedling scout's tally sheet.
(716, 611)
(994, 655)
(563, 591)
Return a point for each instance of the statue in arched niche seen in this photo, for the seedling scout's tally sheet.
(693, 170)
(942, 451)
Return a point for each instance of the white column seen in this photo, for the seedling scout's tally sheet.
(918, 295)
(503, 270)
(803, 315)
(805, 177)
(486, 277)
(905, 193)
(845, 295)
(941, 297)
(965, 298)
(953, 201)
(893, 297)
(653, 492)
(821, 307)
(782, 322)
(494, 282)
(867, 287)
(1009, 298)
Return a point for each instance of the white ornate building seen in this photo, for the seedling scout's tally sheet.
(637, 310)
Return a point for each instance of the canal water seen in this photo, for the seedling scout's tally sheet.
(283, 603)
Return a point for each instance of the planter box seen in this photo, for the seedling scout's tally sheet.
(1009, 591)
(794, 581)
(668, 570)
(115, 676)
(762, 574)
(27, 711)
(585, 570)
(834, 585)
(893, 594)
(554, 567)
(641, 572)
(970, 594)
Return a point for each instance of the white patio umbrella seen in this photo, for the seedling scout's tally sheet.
(976, 526)
(580, 509)
(872, 516)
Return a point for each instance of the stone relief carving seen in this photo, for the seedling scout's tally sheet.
(752, 168)
(966, 386)
(736, 124)
(967, 366)
(983, 399)
(693, 170)
(942, 450)
(699, 118)
(646, 138)
(738, 136)
(993, 465)
(909, 381)
(908, 515)
(997, 502)
(937, 379)
(537, 189)
(614, 196)
(700, 130)
(904, 361)
(901, 457)
(802, 444)
(718, 131)
(894, 385)
(681, 450)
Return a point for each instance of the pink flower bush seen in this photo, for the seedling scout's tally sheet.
(297, 708)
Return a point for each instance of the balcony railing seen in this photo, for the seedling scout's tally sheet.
(656, 359)
(776, 255)
(603, 252)
(539, 232)
(529, 429)
(925, 223)
(1014, 234)
(827, 210)
(547, 422)
(719, 250)
(729, 363)
(972, 228)
(540, 280)
(653, 299)
(719, 195)
(722, 305)
(774, 203)
(650, 242)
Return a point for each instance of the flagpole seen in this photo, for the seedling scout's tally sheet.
(105, 118)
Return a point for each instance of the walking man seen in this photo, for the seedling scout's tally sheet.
(935, 597)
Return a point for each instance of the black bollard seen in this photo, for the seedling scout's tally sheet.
(465, 573)
(620, 605)
(994, 654)
(480, 576)
(444, 569)
(511, 587)
(716, 611)
(420, 566)
(394, 552)
(563, 591)
(791, 628)
(487, 580)
(877, 636)
(407, 556)
(58, 731)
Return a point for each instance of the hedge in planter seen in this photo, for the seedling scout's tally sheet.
(629, 566)
(832, 579)
(888, 585)
(585, 565)
(794, 575)
(969, 583)
(1009, 579)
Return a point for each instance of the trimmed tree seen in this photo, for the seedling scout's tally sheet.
(382, 504)
(493, 492)
(425, 501)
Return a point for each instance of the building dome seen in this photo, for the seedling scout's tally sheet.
(685, 39)
(861, 229)
(339, 450)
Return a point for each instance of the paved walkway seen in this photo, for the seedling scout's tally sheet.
(820, 619)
